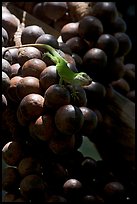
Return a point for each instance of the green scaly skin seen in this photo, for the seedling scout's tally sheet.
(64, 72)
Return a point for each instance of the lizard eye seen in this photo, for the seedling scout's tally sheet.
(83, 74)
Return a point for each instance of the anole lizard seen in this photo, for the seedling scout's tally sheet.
(64, 72)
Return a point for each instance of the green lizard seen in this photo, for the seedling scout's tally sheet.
(64, 72)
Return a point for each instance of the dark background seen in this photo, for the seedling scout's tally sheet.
(127, 10)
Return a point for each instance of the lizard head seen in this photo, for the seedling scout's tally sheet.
(82, 79)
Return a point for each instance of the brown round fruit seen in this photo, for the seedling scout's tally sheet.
(29, 165)
(27, 53)
(30, 108)
(32, 186)
(33, 67)
(28, 85)
(48, 77)
(10, 179)
(12, 153)
(69, 30)
(12, 90)
(43, 128)
(77, 45)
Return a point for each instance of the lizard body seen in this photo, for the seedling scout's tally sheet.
(64, 72)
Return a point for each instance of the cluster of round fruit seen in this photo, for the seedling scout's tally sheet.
(36, 174)
(43, 125)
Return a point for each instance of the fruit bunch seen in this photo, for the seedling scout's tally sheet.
(43, 125)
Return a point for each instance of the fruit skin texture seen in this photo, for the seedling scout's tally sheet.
(125, 43)
(28, 85)
(109, 44)
(113, 190)
(33, 67)
(32, 186)
(10, 24)
(90, 121)
(12, 153)
(56, 96)
(90, 28)
(69, 119)
(10, 179)
(43, 128)
(30, 107)
(94, 63)
(29, 165)
(72, 189)
(105, 11)
(31, 33)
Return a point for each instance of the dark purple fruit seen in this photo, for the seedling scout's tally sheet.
(77, 45)
(6, 55)
(105, 11)
(51, 7)
(15, 70)
(80, 99)
(72, 189)
(30, 33)
(125, 43)
(90, 121)
(5, 82)
(10, 179)
(118, 25)
(115, 69)
(56, 96)
(29, 165)
(48, 77)
(95, 93)
(10, 23)
(47, 39)
(9, 197)
(32, 187)
(43, 128)
(114, 191)
(5, 37)
(121, 85)
(69, 119)
(62, 144)
(14, 55)
(39, 12)
(56, 199)
(92, 199)
(109, 44)
(90, 28)
(6, 67)
(94, 62)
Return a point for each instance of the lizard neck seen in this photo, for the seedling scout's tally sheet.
(65, 73)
